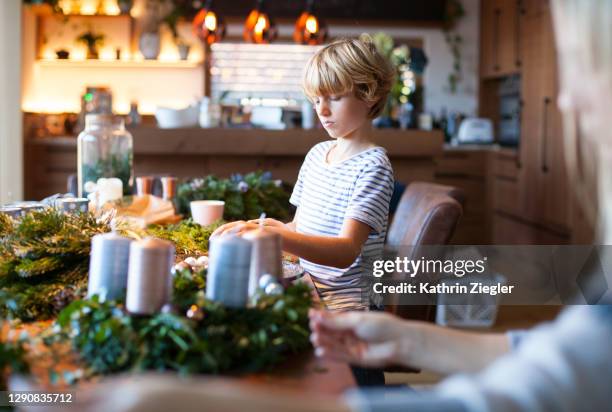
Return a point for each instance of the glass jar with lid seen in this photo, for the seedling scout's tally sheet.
(104, 149)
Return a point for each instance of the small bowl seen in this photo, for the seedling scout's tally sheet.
(206, 212)
(176, 118)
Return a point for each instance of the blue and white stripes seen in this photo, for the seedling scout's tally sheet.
(358, 188)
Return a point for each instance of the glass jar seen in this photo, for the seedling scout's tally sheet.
(104, 149)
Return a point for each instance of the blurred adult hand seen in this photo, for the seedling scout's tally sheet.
(370, 339)
(379, 339)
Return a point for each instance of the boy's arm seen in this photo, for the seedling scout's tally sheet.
(336, 251)
(293, 224)
(277, 223)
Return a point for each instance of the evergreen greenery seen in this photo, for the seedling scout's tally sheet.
(213, 339)
(246, 197)
(12, 354)
(117, 165)
(189, 238)
(44, 258)
(12, 360)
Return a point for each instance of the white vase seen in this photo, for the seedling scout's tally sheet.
(149, 45)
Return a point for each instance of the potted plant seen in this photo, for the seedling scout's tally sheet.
(92, 41)
(62, 54)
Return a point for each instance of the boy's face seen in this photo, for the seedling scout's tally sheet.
(342, 115)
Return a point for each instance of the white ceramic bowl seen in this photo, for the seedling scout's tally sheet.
(205, 212)
(172, 118)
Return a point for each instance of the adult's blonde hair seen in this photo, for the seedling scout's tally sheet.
(584, 40)
(350, 66)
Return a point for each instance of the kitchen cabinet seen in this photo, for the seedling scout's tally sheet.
(530, 183)
(500, 37)
(544, 193)
(508, 230)
(466, 168)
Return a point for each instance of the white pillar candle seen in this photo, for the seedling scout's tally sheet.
(109, 189)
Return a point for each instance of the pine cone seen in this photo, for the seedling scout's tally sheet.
(62, 298)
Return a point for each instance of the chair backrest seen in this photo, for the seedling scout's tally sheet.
(427, 214)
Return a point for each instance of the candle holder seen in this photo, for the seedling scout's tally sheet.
(72, 205)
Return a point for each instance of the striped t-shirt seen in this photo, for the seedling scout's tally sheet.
(359, 188)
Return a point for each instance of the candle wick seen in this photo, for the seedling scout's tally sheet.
(262, 217)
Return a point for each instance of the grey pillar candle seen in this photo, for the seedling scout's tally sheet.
(227, 280)
(149, 285)
(266, 256)
(108, 266)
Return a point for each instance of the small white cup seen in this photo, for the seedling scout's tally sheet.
(205, 212)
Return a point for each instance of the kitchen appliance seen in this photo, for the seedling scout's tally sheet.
(268, 117)
(475, 130)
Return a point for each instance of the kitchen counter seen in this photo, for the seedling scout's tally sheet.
(193, 152)
(484, 147)
(190, 141)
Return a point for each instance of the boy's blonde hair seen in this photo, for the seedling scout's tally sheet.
(350, 66)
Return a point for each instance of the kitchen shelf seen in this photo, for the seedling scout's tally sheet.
(119, 64)
(47, 10)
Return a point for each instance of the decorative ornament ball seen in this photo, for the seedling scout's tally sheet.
(195, 312)
(180, 266)
(265, 280)
(202, 261)
(168, 308)
(274, 289)
(191, 261)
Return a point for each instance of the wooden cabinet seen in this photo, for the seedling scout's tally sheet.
(531, 184)
(466, 169)
(488, 41)
(500, 37)
(543, 179)
(508, 230)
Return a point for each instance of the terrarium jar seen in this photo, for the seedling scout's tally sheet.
(105, 149)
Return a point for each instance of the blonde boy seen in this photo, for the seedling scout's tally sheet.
(345, 184)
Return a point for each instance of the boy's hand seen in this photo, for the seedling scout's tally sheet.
(268, 222)
(235, 228)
